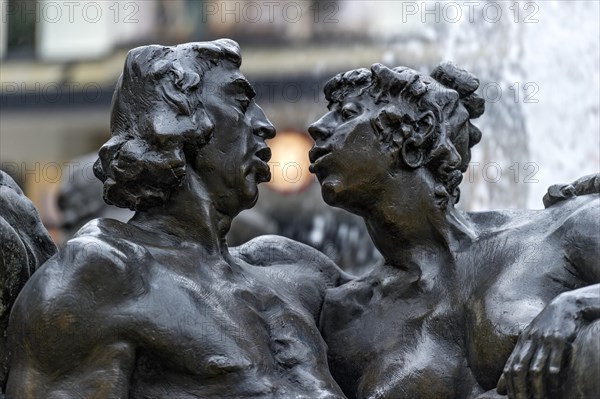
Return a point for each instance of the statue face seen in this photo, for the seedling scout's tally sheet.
(234, 161)
(348, 157)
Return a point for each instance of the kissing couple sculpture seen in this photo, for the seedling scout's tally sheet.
(161, 307)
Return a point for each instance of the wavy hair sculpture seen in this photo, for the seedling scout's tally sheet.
(158, 120)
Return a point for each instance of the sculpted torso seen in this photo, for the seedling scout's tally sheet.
(392, 334)
(464, 303)
(155, 326)
(524, 261)
(160, 307)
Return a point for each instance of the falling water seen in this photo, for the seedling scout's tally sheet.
(539, 72)
(562, 54)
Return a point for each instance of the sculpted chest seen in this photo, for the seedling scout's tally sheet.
(226, 328)
(204, 322)
(381, 334)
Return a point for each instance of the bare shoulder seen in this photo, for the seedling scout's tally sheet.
(292, 256)
(72, 294)
(577, 219)
(579, 233)
(576, 208)
(101, 259)
(65, 327)
(577, 211)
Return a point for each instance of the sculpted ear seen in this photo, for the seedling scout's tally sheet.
(408, 136)
(392, 121)
(181, 112)
(166, 122)
(413, 151)
(178, 115)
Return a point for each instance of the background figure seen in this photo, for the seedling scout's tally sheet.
(80, 198)
(24, 246)
(441, 315)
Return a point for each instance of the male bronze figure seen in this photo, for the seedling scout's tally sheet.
(160, 307)
(462, 301)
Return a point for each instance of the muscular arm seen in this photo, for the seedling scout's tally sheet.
(308, 271)
(552, 356)
(66, 342)
(24, 246)
(269, 250)
(302, 275)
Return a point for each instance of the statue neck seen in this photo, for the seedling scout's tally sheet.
(190, 215)
(409, 228)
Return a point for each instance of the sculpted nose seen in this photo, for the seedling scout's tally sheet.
(265, 130)
(318, 131)
(263, 127)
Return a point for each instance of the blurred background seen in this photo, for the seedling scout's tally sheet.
(538, 63)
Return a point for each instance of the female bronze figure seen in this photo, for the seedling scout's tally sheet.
(461, 299)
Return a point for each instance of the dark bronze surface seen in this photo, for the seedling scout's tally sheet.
(461, 298)
(24, 246)
(463, 305)
(160, 307)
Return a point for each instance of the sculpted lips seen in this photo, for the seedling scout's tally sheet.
(263, 172)
(315, 154)
(264, 154)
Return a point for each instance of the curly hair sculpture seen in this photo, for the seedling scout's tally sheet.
(410, 102)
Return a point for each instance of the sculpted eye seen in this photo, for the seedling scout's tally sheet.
(245, 103)
(349, 111)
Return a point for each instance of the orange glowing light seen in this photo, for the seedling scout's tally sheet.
(289, 162)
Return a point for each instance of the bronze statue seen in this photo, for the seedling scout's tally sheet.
(160, 307)
(461, 300)
(24, 245)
